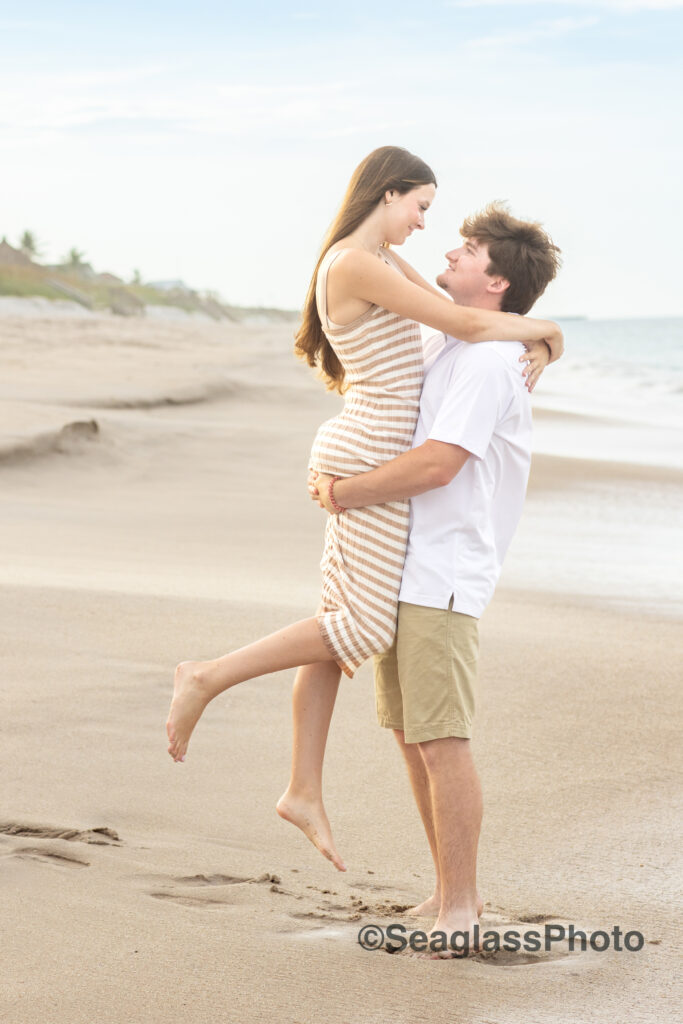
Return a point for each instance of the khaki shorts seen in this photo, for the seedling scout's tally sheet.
(425, 682)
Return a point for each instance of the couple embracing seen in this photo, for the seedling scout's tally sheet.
(423, 474)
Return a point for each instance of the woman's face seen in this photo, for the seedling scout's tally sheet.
(406, 213)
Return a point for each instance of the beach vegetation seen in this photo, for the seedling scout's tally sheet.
(74, 258)
(76, 280)
(29, 245)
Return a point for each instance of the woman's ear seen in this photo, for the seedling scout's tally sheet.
(389, 197)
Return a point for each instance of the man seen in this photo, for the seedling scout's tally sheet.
(466, 476)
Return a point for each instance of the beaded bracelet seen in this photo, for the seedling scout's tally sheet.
(330, 490)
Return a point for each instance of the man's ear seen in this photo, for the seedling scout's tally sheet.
(497, 285)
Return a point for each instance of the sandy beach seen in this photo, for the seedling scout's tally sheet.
(153, 508)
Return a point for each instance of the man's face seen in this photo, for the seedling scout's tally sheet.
(466, 280)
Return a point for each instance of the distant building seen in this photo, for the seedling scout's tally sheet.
(15, 257)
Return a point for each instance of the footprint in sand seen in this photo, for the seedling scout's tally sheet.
(374, 886)
(208, 897)
(501, 957)
(328, 921)
(537, 918)
(322, 917)
(190, 901)
(355, 908)
(211, 880)
(101, 836)
(48, 856)
(560, 949)
(519, 958)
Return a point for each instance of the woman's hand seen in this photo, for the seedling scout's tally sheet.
(552, 336)
(536, 357)
(319, 489)
(312, 486)
(323, 482)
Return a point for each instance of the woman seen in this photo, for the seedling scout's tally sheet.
(360, 326)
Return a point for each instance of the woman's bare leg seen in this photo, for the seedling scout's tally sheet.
(313, 698)
(198, 682)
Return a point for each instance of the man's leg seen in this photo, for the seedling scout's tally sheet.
(313, 698)
(437, 651)
(419, 781)
(419, 632)
(457, 810)
(389, 703)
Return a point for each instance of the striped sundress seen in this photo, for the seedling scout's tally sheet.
(362, 563)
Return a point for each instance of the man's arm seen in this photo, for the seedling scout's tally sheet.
(478, 390)
(433, 464)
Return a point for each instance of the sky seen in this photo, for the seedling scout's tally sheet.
(213, 141)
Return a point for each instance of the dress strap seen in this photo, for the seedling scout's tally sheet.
(388, 257)
(321, 286)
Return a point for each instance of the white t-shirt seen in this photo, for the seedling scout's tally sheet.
(473, 396)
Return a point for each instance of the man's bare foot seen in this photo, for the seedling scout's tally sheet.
(431, 907)
(428, 908)
(191, 694)
(310, 817)
(460, 938)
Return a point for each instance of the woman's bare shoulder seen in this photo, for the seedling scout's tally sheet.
(352, 260)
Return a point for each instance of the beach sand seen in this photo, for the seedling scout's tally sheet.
(153, 508)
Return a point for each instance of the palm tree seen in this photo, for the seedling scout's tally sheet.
(29, 245)
(75, 258)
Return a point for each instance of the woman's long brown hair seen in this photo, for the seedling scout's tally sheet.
(386, 168)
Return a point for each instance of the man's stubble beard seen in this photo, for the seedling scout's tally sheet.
(444, 288)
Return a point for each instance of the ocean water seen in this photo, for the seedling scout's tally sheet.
(621, 382)
(615, 396)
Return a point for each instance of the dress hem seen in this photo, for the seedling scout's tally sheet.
(330, 646)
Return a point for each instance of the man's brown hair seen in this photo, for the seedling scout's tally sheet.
(520, 251)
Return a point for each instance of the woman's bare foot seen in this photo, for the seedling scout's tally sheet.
(310, 817)
(191, 694)
(432, 906)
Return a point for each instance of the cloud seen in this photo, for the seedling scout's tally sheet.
(156, 102)
(46, 103)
